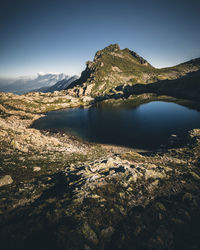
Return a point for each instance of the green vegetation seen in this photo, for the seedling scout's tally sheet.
(113, 67)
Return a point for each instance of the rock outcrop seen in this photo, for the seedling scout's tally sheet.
(113, 68)
(6, 180)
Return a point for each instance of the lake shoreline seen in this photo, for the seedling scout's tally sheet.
(60, 191)
(101, 120)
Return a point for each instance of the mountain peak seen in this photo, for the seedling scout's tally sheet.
(112, 47)
(108, 49)
(113, 67)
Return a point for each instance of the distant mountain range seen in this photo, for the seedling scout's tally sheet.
(118, 73)
(26, 84)
(60, 85)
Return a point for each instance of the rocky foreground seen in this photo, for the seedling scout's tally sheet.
(58, 192)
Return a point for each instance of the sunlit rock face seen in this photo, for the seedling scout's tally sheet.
(113, 68)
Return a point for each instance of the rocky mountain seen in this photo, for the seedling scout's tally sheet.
(26, 84)
(114, 69)
(60, 85)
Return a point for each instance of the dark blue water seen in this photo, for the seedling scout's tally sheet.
(146, 126)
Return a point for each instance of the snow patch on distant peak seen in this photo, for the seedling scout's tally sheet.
(50, 73)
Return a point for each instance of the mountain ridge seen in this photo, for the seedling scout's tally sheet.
(25, 84)
(113, 67)
(58, 86)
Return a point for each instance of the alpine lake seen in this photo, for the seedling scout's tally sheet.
(146, 126)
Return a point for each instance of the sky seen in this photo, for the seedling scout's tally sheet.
(61, 35)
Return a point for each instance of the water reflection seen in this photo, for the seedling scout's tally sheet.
(145, 126)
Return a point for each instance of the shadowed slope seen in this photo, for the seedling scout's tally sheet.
(114, 67)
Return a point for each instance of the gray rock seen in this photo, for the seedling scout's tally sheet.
(6, 180)
(110, 162)
(36, 169)
(154, 174)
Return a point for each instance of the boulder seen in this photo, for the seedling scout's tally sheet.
(36, 169)
(110, 162)
(6, 180)
(154, 174)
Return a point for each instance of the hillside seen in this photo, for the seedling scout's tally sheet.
(113, 67)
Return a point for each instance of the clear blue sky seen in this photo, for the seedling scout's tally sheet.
(61, 35)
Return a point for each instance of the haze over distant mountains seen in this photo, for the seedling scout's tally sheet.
(22, 85)
(60, 85)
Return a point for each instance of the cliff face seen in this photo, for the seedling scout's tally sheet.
(113, 67)
(110, 68)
